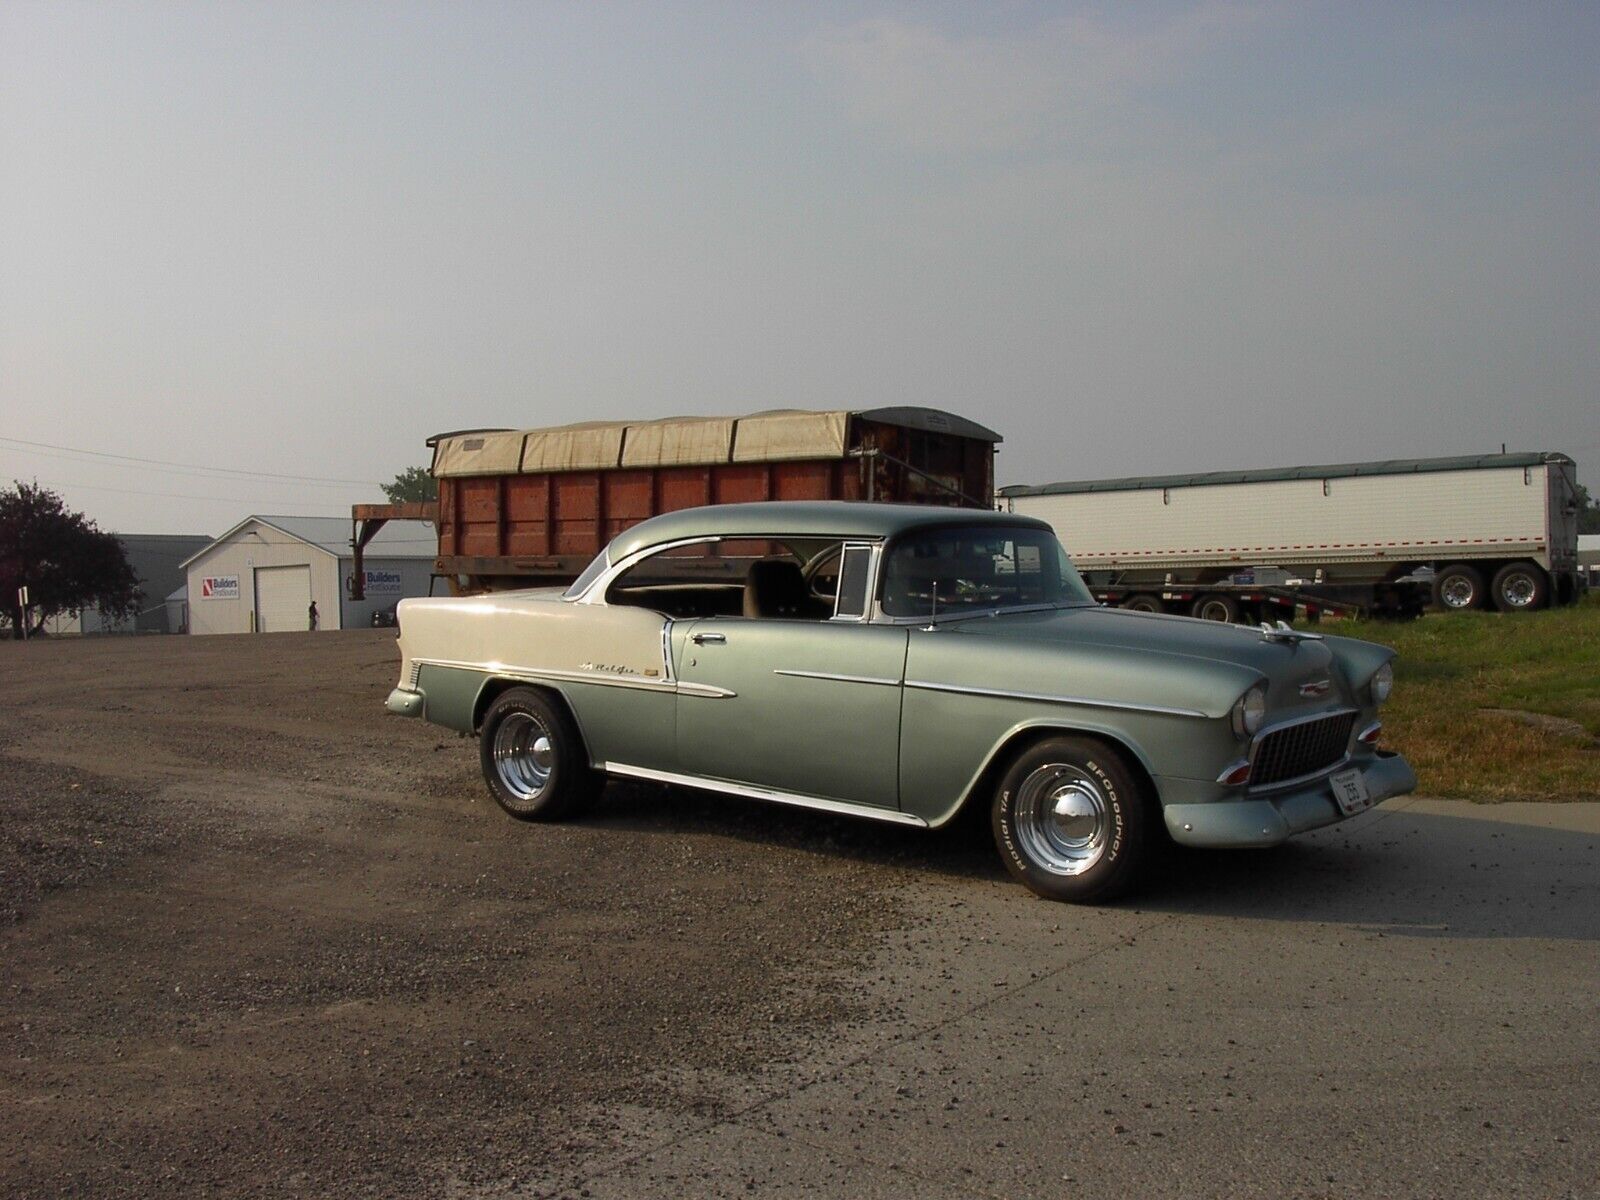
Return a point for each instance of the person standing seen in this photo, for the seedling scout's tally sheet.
(312, 616)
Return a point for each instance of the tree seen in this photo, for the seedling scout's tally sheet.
(64, 560)
(1588, 511)
(411, 486)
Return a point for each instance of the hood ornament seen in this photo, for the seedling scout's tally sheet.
(1282, 633)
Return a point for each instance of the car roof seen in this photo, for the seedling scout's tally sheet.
(804, 518)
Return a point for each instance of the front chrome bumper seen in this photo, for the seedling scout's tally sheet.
(1269, 820)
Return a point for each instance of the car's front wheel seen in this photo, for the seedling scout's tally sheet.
(1070, 820)
(533, 757)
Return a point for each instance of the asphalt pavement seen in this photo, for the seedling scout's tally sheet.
(1407, 1005)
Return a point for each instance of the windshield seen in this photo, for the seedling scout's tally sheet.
(944, 572)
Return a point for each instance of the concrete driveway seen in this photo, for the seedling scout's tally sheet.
(1407, 1005)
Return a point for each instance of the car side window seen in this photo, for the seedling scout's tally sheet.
(731, 577)
(854, 567)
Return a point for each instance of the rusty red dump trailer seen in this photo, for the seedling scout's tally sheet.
(531, 507)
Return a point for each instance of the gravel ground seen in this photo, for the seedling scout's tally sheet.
(262, 939)
(257, 938)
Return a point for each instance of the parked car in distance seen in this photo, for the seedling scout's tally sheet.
(899, 663)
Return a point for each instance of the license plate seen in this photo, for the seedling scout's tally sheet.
(1350, 790)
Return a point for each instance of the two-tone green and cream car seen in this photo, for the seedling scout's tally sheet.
(900, 663)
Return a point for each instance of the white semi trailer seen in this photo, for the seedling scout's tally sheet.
(1380, 537)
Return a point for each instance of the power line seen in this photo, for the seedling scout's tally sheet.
(95, 487)
(199, 467)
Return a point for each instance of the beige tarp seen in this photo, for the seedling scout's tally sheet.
(790, 433)
(678, 442)
(776, 436)
(594, 446)
(478, 454)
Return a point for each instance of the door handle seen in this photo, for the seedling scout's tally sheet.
(709, 639)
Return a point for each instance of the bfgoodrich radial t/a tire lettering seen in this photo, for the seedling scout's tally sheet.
(1071, 820)
(533, 757)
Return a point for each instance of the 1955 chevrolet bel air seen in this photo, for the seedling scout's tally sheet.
(900, 662)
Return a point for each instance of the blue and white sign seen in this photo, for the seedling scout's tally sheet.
(383, 583)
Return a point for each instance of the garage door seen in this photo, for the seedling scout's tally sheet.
(283, 596)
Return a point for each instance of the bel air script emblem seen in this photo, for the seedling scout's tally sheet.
(1317, 687)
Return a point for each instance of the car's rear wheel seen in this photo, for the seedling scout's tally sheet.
(1070, 820)
(533, 757)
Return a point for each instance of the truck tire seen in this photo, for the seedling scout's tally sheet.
(1217, 607)
(1143, 602)
(1458, 588)
(1520, 587)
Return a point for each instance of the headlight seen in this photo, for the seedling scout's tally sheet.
(1249, 710)
(1382, 683)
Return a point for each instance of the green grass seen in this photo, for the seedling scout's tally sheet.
(1453, 667)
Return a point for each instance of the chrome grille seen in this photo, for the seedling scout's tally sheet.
(1303, 748)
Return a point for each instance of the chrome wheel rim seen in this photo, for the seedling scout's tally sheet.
(1061, 818)
(1518, 591)
(1457, 592)
(524, 756)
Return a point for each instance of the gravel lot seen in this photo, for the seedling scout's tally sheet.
(260, 939)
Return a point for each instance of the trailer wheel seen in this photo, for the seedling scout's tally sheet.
(1142, 602)
(1217, 607)
(1458, 588)
(1520, 587)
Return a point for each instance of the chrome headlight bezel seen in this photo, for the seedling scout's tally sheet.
(1382, 683)
(1249, 711)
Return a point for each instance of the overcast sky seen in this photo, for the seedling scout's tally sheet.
(299, 239)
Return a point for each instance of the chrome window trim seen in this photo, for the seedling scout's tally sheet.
(1044, 698)
(596, 593)
(752, 792)
(874, 554)
(838, 678)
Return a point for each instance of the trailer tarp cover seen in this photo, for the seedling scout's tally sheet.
(478, 454)
(789, 434)
(592, 446)
(779, 435)
(678, 442)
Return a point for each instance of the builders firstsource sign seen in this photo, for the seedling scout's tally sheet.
(383, 583)
(219, 587)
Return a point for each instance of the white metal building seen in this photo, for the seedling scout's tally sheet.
(263, 575)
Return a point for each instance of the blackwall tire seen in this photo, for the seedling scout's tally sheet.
(1520, 587)
(533, 757)
(1143, 602)
(1458, 588)
(1071, 821)
(1217, 607)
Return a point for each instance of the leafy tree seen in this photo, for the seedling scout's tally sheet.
(413, 485)
(1588, 511)
(64, 560)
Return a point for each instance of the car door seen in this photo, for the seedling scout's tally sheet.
(803, 706)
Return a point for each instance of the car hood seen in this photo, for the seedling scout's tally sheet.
(1295, 670)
